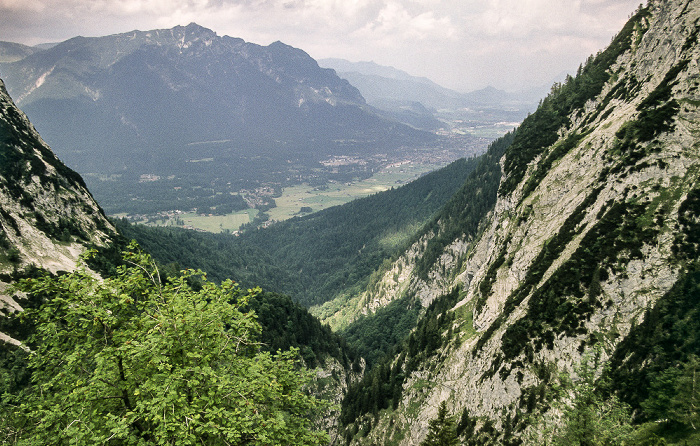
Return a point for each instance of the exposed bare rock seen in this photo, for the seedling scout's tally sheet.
(542, 281)
(47, 215)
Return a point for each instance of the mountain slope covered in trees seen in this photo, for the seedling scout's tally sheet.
(318, 257)
(167, 116)
(575, 289)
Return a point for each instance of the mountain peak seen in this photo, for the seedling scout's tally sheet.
(279, 44)
(193, 26)
(195, 29)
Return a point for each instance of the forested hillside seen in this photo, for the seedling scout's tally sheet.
(377, 332)
(317, 257)
(547, 292)
(83, 313)
(564, 313)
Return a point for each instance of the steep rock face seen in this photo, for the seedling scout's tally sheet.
(47, 215)
(581, 240)
(330, 382)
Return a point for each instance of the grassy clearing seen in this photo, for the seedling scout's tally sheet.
(219, 223)
(296, 197)
(392, 239)
(209, 223)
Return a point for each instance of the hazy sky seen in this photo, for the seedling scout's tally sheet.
(460, 44)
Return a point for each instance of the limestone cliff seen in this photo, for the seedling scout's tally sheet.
(47, 215)
(582, 240)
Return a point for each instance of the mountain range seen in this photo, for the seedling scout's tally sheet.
(420, 102)
(567, 258)
(195, 108)
(12, 52)
(551, 298)
(156, 90)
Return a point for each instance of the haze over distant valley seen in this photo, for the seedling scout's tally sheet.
(422, 103)
(167, 124)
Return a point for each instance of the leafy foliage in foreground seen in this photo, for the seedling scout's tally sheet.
(137, 360)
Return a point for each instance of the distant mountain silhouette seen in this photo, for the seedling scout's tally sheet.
(141, 100)
(420, 102)
(12, 52)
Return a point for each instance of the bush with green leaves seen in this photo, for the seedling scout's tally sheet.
(135, 360)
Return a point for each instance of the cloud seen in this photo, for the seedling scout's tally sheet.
(395, 19)
(460, 43)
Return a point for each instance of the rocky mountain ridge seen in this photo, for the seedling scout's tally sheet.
(47, 215)
(382, 84)
(279, 62)
(148, 92)
(581, 242)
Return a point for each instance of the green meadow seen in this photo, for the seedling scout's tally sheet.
(295, 198)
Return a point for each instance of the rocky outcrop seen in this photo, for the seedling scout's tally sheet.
(47, 215)
(580, 242)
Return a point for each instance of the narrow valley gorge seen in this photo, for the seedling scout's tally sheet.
(506, 299)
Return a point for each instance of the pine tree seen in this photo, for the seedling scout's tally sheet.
(685, 406)
(591, 419)
(442, 430)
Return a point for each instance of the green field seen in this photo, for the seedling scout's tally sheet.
(295, 198)
(209, 223)
(219, 223)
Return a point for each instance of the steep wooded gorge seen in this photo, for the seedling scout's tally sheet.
(585, 243)
(568, 257)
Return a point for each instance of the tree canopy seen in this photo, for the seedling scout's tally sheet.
(135, 360)
(442, 430)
